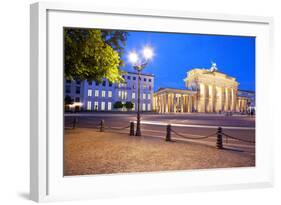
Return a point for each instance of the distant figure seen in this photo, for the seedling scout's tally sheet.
(214, 67)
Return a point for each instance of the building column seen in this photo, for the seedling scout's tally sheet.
(214, 98)
(162, 103)
(233, 104)
(222, 99)
(181, 102)
(189, 103)
(165, 102)
(218, 99)
(174, 102)
(195, 99)
(202, 98)
(159, 103)
(211, 103)
(226, 99)
(169, 103)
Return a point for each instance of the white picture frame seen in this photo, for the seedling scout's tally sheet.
(46, 179)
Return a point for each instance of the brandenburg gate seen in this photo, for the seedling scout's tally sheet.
(208, 90)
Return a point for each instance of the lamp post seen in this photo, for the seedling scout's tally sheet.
(139, 64)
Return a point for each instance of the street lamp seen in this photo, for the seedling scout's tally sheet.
(139, 64)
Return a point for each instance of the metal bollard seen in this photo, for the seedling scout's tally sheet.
(168, 134)
(102, 126)
(132, 128)
(75, 120)
(219, 138)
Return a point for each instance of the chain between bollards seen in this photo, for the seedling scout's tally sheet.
(219, 138)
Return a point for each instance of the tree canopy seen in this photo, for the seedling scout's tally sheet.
(93, 54)
(68, 100)
(129, 105)
(118, 105)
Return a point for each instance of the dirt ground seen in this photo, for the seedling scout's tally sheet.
(87, 151)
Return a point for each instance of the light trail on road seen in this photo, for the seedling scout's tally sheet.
(195, 126)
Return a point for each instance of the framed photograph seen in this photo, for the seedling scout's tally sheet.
(130, 102)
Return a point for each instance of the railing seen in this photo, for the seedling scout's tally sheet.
(219, 134)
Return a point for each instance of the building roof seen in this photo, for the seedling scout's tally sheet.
(145, 74)
(173, 89)
(161, 88)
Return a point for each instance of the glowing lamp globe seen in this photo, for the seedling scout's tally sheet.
(147, 53)
(133, 57)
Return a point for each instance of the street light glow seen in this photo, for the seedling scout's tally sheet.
(139, 64)
(133, 57)
(147, 53)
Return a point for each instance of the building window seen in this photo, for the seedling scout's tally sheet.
(125, 94)
(122, 94)
(148, 96)
(134, 78)
(144, 86)
(149, 80)
(104, 83)
(133, 95)
(143, 107)
(134, 106)
(102, 105)
(103, 93)
(97, 83)
(89, 105)
(149, 87)
(90, 92)
(109, 106)
(90, 82)
(129, 77)
(144, 79)
(134, 86)
(68, 81)
(110, 84)
(109, 94)
(77, 89)
(143, 96)
(123, 84)
(148, 107)
(96, 93)
(78, 82)
(96, 105)
(67, 89)
(77, 99)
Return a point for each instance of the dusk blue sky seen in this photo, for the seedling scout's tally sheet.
(175, 54)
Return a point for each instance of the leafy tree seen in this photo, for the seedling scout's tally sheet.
(129, 105)
(116, 39)
(93, 54)
(118, 105)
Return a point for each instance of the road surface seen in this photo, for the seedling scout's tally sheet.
(185, 126)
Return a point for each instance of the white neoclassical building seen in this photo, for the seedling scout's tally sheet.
(208, 90)
(94, 96)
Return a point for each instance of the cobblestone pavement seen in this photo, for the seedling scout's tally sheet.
(87, 152)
